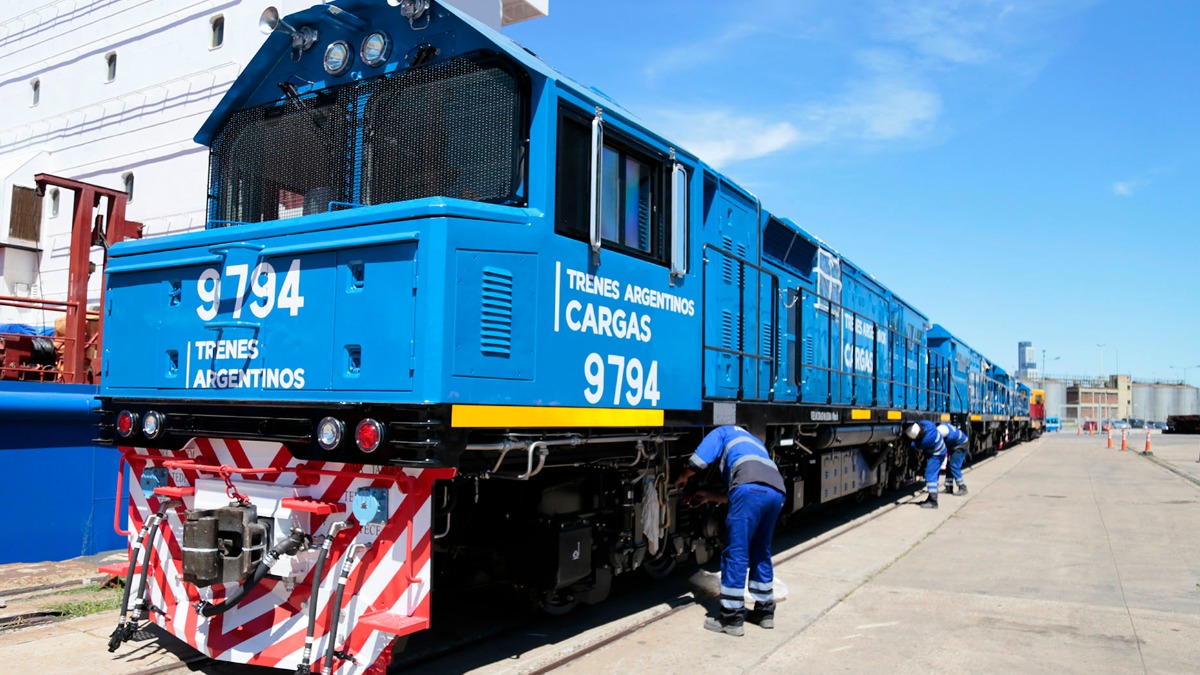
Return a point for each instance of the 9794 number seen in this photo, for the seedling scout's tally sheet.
(626, 377)
(262, 283)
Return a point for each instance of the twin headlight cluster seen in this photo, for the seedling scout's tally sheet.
(375, 49)
(368, 435)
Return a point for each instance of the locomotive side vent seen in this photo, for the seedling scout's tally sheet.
(727, 329)
(495, 324)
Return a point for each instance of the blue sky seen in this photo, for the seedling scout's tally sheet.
(1019, 170)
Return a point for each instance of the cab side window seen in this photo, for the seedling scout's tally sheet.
(632, 194)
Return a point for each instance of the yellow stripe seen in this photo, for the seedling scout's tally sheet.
(860, 414)
(945, 417)
(976, 418)
(533, 416)
(893, 414)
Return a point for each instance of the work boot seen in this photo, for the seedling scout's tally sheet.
(714, 624)
(949, 488)
(930, 502)
(962, 489)
(763, 619)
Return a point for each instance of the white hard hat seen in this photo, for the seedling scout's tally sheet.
(943, 430)
(913, 431)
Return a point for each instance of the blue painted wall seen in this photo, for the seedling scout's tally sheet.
(59, 487)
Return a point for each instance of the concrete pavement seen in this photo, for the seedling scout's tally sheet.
(1065, 557)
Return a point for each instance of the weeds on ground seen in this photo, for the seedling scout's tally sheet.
(97, 599)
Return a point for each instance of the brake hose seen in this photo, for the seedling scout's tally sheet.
(319, 571)
(124, 629)
(290, 546)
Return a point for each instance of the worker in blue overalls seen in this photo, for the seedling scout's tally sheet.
(755, 495)
(956, 443)
(925, 437)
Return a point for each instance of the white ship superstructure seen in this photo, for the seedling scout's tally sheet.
(111, 92)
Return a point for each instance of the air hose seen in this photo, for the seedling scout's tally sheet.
(335, 612)
(318, 573)
(125, 629)
(290, 546)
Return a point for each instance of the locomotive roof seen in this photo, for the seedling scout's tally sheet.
(255, 86)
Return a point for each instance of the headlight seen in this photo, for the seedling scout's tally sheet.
(337, 58)
(152, 424)
(329, 433)
(375, 48)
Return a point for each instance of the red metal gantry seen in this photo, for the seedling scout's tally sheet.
(85, 232)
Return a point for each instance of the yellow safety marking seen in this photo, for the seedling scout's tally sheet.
(491, 416)
(945, 417)
(976, 418)
(860, 414)
(893, 414)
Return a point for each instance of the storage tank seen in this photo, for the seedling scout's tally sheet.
(1190, 403)
(1056, 398)
(1184, 400)
(1163, 397)
(1143, 402)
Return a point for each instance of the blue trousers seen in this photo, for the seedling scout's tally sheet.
(749, 527)
(955, 466)
(933, 467)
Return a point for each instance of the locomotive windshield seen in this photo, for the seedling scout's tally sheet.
(454, 129)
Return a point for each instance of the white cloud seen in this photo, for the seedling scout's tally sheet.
(720, 137)
(894, 78)
(956, 32)
(1126, 188)
(879, 111)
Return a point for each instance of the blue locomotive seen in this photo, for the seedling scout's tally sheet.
(456, 316)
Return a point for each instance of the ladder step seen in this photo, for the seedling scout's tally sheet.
(396, 624)
(314, 506)
(175, 492)
(116, 569)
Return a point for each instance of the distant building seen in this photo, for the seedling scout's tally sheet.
(1026, 362)
(1096, 400)
(1117, 397)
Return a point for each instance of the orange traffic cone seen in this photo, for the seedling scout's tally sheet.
(1110, 438)
(1124, 438)
(1078, 429)
(1147, 450)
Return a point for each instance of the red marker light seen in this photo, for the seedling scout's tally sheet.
(368, 435)
(126, 421)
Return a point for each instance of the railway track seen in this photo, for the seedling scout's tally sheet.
(29, 619)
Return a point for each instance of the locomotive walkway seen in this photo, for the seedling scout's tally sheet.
(1065, 557)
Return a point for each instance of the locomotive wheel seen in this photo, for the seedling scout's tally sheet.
(557, 603)
(659, 567)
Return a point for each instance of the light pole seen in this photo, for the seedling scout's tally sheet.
(1044, 364)
(1185, 369)
(1101, 347)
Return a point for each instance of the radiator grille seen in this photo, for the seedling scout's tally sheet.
(447, 130)
(281, 161)
(454, 129)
